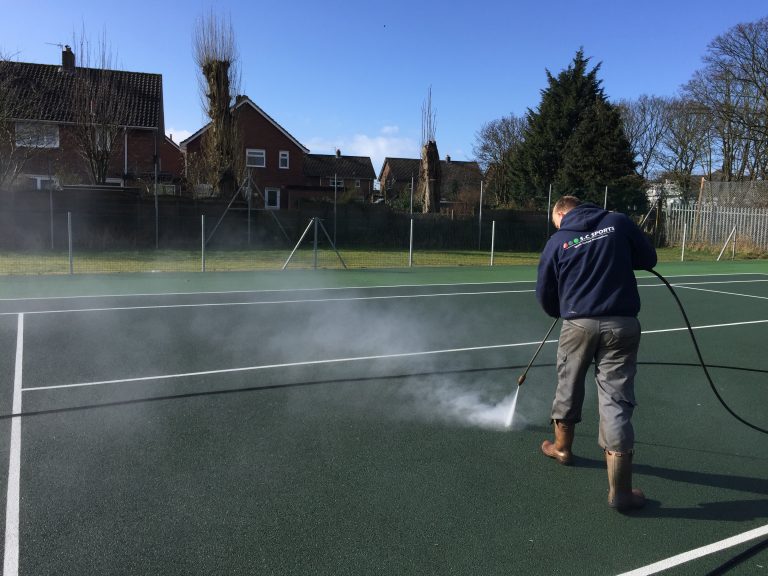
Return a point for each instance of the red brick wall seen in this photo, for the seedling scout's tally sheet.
(69, 167)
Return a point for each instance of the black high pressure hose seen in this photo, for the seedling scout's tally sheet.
(701, 359)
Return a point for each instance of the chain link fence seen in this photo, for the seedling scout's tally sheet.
(108, 229)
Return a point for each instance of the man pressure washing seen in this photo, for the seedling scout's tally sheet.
(586, 277)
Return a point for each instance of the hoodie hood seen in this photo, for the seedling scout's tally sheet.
(582, 218)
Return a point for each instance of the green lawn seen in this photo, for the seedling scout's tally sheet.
(47, 262)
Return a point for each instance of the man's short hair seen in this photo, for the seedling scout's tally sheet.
(565, 203)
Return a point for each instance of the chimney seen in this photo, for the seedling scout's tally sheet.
(338, 153)
(68, 60)
(448, 159)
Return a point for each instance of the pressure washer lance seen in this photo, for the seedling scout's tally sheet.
(524, 374)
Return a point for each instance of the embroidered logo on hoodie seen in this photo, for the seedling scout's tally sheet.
(596, 235)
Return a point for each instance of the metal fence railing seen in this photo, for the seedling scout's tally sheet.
(713, 225)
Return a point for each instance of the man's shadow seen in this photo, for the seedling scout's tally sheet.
(732, 510)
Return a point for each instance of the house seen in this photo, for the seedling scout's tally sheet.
(349, 176)
(280, 169)
(460, 182)
(270, 156)
(57, 110)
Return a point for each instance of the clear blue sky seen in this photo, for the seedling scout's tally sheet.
(354, 74)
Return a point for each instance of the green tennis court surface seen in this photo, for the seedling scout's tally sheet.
(353, 423)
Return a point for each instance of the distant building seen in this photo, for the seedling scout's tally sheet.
(460, 182)
(282, 169)
(46, 102)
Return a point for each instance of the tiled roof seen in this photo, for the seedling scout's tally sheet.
(46, 93)
(327, 165)
(402, 169)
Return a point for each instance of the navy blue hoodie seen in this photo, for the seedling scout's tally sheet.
(587, 267)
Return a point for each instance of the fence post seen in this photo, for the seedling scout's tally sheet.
(493, 238)
(202, 241)
(685, 229)
(69, 242)
(480, 219)
(314, 249)
(410, 246)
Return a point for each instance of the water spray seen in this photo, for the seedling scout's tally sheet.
(520, 380)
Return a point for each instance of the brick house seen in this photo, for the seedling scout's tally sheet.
(46, 100)
(460, 188)
(350, 177)
(283, 171)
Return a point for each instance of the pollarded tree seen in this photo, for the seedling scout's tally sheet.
(216, 55)
(575, 141)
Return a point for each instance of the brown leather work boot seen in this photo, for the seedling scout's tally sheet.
(560, 450)
(621, 495)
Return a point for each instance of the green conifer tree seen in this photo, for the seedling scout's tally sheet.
(575, 141)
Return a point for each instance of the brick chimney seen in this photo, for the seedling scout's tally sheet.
(338, 153)
(68, 60)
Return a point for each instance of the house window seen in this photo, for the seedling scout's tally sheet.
(43, 182)
(33, 135)
(255, 158)
(336, 182)
(357, 184)
(284, 159)
(272, 198)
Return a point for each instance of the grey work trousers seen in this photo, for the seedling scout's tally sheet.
(612, 343)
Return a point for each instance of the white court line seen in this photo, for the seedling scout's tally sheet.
(341, 360)
(698, 552)
(285, 365)
(266, 290)
(11, 552)
(379, 287)
(723, 292)
(270, 302)
(685, 328)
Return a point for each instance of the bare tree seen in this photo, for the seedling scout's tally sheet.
(216, 55)
(646, 121)
(429, 169)
(15, 102)
(494, 143)
(100, 105)
(496, 138)
(733, 89)
(683, 148)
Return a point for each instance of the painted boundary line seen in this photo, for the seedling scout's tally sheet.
(698, 552)
(350, 299)
(11, 551)
(343, 360)
(266, 290)
(690, 287)
(271, 302)
(377, 287)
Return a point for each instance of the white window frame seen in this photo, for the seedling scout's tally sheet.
(339, 183)
(41, 180)
(36, 135)
(252, 156)
(357, 184)
(285, 160)
(267, 204)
